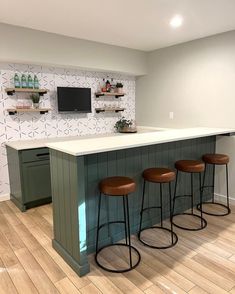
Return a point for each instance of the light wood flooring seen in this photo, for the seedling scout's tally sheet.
(201, 262)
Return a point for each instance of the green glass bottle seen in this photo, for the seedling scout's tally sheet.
(24, 83)
(36, 82)
(16, 81)
(30, 82)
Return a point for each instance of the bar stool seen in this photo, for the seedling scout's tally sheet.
(215, 159)
(191, 167)
(159, 176)
(121, 187)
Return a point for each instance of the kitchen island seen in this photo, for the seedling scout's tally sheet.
(77, 167)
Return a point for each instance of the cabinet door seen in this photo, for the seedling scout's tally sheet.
(36, 180)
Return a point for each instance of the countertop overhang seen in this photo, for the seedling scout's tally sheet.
(112, 142)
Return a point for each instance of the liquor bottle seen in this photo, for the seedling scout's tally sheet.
(103, 89)
(108, 86)
(24, 81)
(36, 82)
(30, 82)
(16, 81)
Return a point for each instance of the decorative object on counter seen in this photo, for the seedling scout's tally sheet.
(119, 87)
(30, 82)
(24, 83)
(124, 125)
(17, 81)
(35, 99)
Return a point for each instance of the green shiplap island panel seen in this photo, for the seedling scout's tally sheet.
(75, 193)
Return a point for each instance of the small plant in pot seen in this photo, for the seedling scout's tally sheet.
(124, 125)
(35, 99)
(119, 87)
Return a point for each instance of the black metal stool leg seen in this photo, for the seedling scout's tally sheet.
(203, 180)
(191, 193)
(173, 208)
(142, 206)
(124, 214)
(200, 191)
(227, 187)
(98, 224)
(213, 185)
(170, 207)
(128, 229)
(161, 203)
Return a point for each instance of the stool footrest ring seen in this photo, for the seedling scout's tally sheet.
(228, 210)
(122, 270)
(159, 228)
(151, 207)
(110, 223)
(204, 222)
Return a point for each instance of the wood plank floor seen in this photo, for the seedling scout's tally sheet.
(201, 262)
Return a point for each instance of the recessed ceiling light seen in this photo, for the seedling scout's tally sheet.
(176, 21)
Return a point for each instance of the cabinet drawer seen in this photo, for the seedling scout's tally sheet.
(35, 155)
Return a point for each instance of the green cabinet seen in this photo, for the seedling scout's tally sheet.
(29, 173)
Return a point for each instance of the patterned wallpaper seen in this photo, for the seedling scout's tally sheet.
(53, 124)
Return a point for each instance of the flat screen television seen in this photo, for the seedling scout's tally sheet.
(74, 99)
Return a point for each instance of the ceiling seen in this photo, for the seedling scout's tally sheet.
(137, 24)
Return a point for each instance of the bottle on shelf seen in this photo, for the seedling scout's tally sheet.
(36, 82)
(16, 81)
(24, 83)
(30, 82)
(108, 86)
(103, 89)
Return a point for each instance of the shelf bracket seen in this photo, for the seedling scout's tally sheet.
(11, 93)
(12, 112)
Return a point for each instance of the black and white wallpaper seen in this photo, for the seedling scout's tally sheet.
(29, 126)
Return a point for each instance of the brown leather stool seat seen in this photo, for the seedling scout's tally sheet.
(192, 167)
(215, 159)
(121, 187)
(161, 176)
(117, 186)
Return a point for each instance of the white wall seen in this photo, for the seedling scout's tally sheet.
(23, 45)
(30, 126)
(196, 81)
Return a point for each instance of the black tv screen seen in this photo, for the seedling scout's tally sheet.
(74, 99)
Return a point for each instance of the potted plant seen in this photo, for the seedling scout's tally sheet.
(124, 125)
(35, 99)
(119, 87)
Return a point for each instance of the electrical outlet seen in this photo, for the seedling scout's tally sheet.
(171, 115)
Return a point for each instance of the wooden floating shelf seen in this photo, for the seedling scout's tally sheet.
(13, 111)
(117, 95)
(103, 109)
(11, 91)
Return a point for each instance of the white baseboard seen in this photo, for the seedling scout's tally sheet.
(4, 197)
(223, 199)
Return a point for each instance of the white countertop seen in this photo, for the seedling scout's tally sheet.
(41, 143)
(113, 142)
